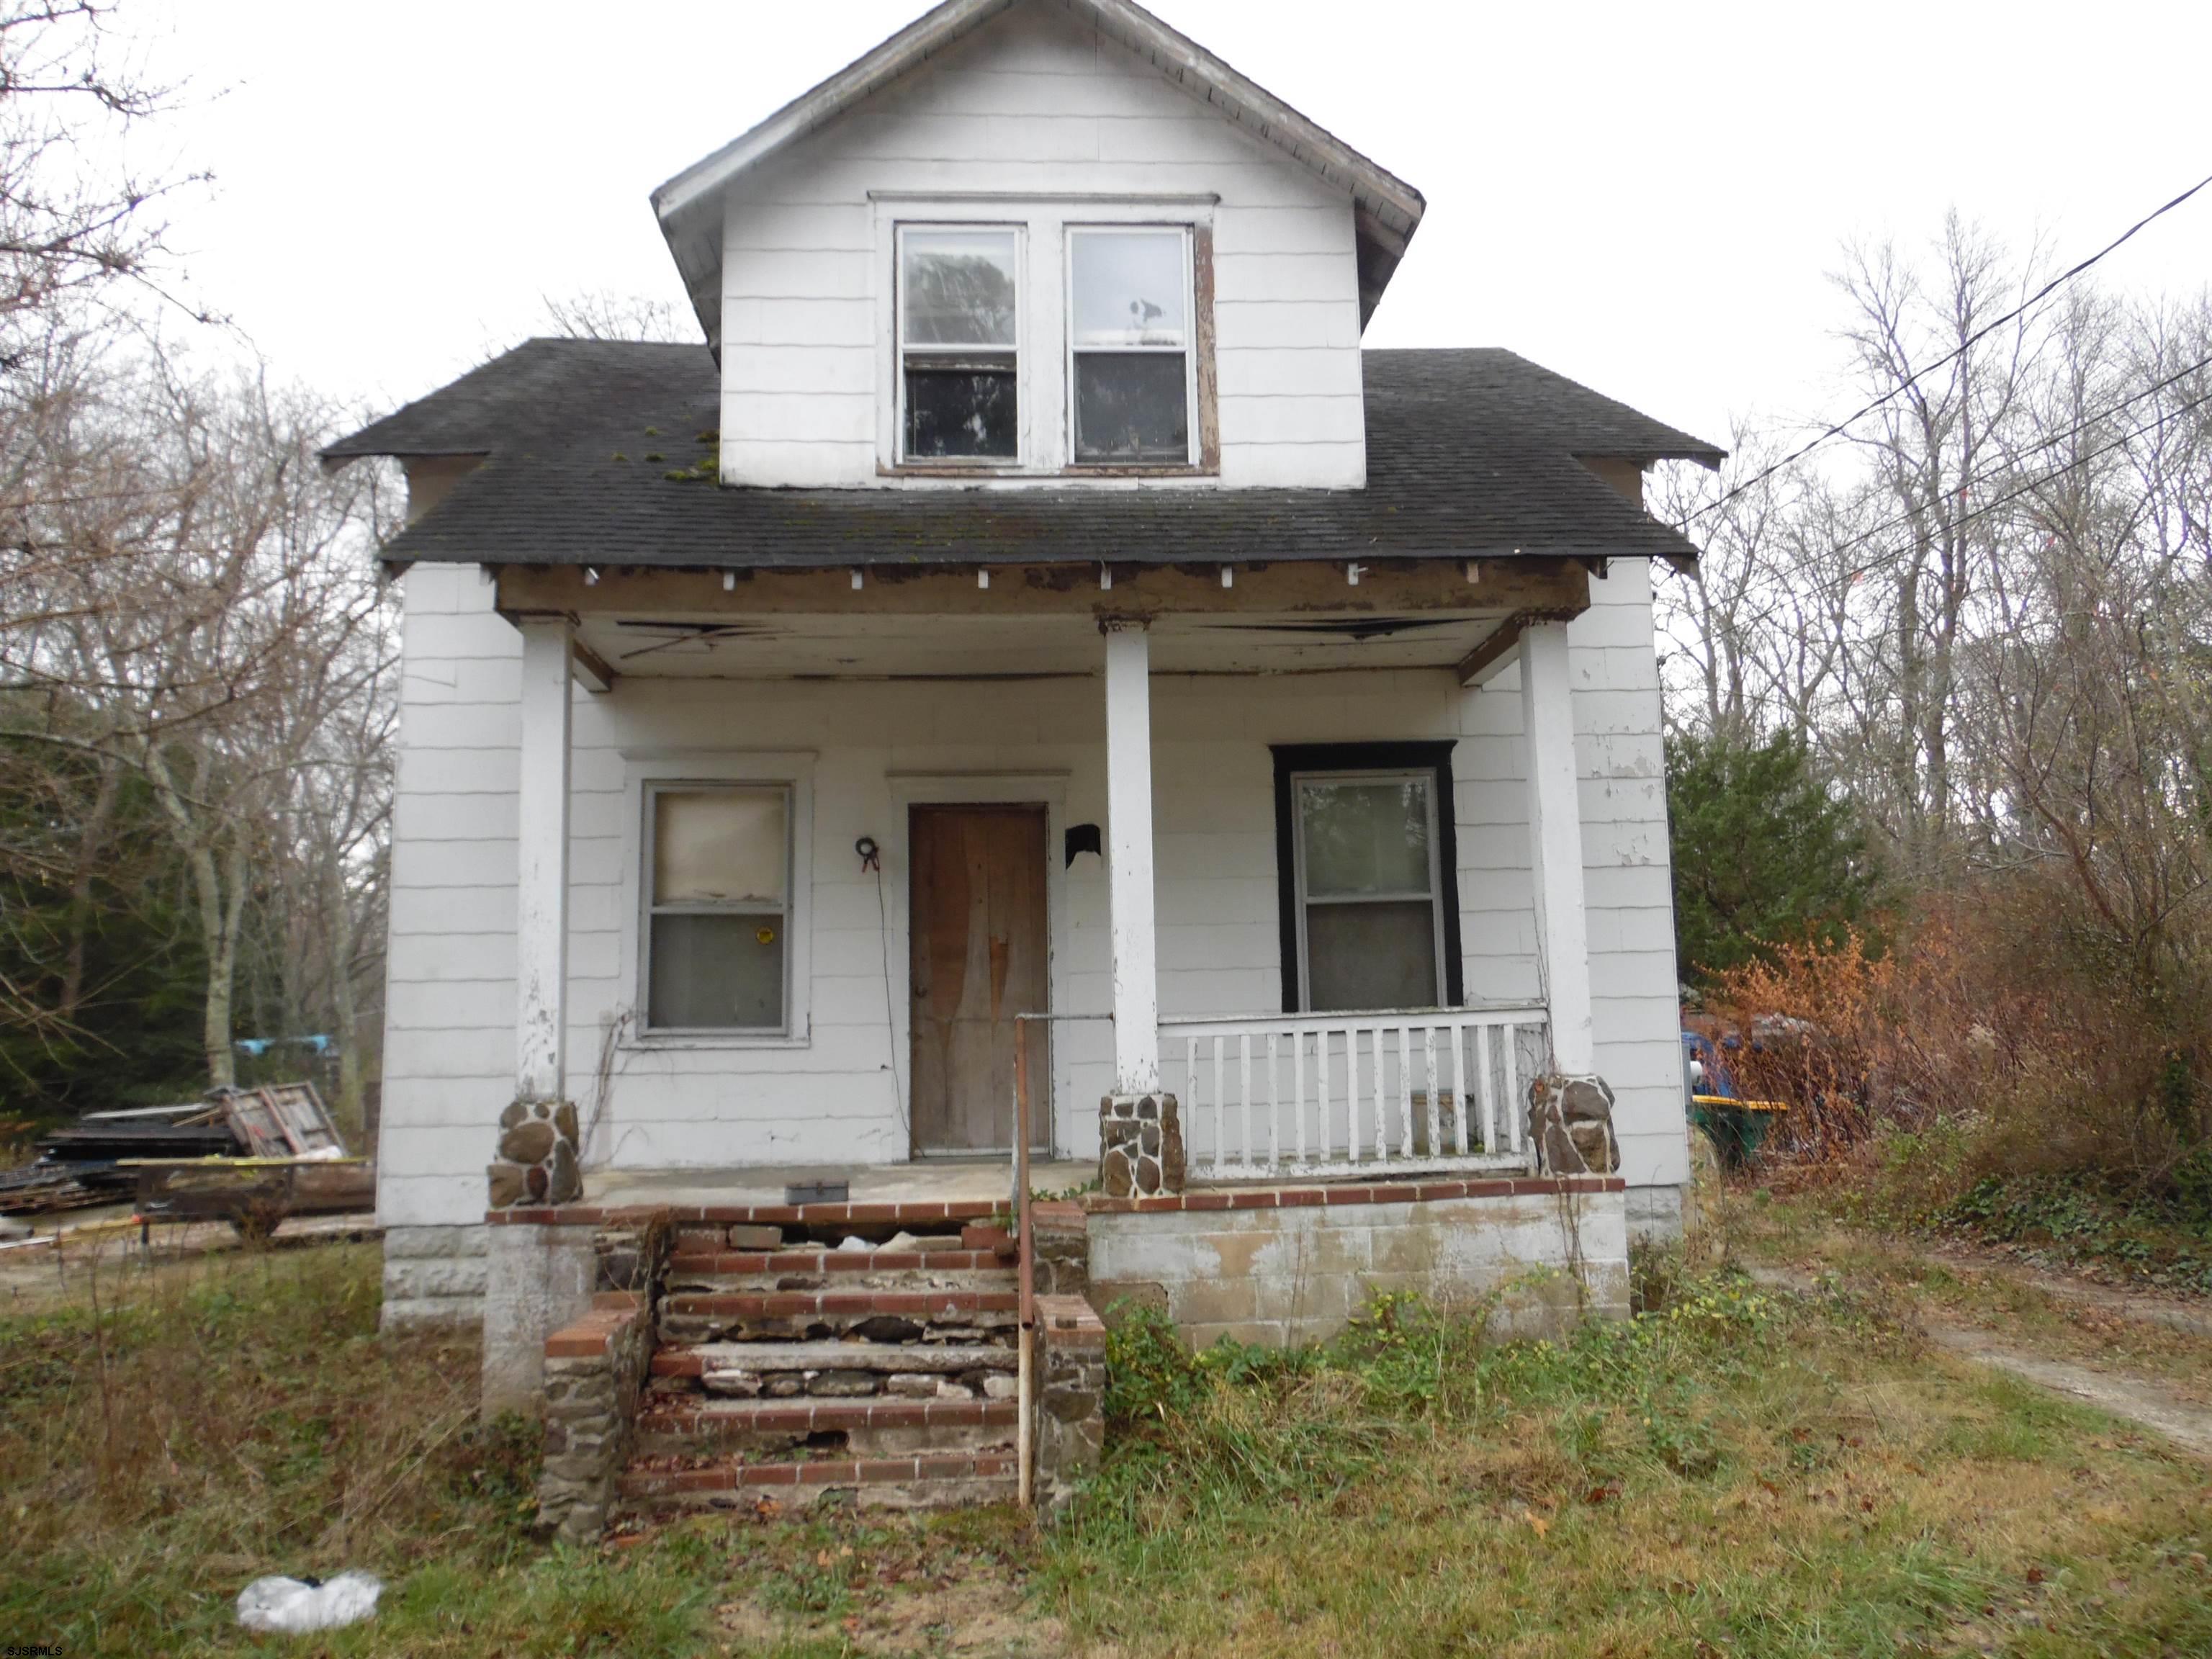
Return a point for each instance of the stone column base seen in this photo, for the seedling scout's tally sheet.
(1141, 1150)
(1571, 1124)
(537, 1162)
(1070, 1424)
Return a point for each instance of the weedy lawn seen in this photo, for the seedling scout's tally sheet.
(1733, 1473)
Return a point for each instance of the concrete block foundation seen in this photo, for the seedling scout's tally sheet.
(1543, 1253)
(434, 1276)
(539, 1277)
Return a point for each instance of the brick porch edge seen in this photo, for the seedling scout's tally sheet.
(1261, 1198)
(1332, 1193)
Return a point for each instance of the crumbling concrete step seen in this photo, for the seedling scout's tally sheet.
(705, 1359)
(914, 1303)
(871, 1428)
(881, 1316)
(927, 1481)
(705, 1263)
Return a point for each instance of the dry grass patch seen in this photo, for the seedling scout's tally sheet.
(1735, 1473)
(1744, 1476)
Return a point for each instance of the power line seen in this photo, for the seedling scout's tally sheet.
(1845, 579)
(1968, 344)
(2074, 431)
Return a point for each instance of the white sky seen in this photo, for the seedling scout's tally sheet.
(1648, 199)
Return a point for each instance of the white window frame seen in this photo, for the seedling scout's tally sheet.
(1020, 459)
(1189, 348)
(649, 771)
(1426, 778)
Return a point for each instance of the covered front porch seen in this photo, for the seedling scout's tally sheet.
(1213, 833)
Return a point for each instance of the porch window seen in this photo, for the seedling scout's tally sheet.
(1131, 388)
(1366, 849)
(959, 343)
(718, 913)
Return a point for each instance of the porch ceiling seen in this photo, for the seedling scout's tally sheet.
(891, 647)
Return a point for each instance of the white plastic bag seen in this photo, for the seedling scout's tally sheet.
(293, 1608)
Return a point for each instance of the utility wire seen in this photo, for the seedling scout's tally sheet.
(1844, 579)
(2074, 431)
(1968, 344)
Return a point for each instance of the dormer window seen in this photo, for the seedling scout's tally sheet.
(959, 327)
(1133, 392)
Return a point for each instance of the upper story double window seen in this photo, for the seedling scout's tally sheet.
(1001, 370)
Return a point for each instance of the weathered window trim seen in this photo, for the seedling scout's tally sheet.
(1432, 760)
(962, 466)
(1044, 384)
(1188, 351)
(647, 771)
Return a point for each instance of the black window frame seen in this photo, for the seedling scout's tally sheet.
(1433, 758)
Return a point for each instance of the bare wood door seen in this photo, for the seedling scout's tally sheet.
(978, 957)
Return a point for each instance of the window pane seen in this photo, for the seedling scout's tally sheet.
(1129, 288)
(1371, 956)
(1365, 836)
(958, 286)
(720, 847)
(716, 972)
(1130, 407)
(959, 411)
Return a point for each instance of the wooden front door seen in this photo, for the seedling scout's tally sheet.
(978, 959)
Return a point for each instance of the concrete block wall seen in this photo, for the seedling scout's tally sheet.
(1293, 1277)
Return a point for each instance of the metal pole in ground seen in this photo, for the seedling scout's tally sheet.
(1025, 1454)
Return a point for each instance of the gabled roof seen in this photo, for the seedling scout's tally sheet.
(1386, 209)
(1469, 453)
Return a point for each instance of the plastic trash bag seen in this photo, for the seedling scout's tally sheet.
(855, 1244)
(293, 1606)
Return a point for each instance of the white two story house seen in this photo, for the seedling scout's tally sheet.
(1029, 599)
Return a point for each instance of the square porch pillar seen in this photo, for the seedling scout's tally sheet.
(1555, 844)
(537, 1143)
(1139, 1133)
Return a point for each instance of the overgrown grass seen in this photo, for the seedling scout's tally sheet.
(1732, 1473)
(1932, 1181)
(164, 1440)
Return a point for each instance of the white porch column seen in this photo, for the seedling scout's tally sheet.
(1555, 843)
(1129, 858)
(541, 925)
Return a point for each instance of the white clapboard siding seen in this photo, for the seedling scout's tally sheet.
(1034, 103)
(450, 1026)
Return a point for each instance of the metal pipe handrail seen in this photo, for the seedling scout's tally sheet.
(1025, 1260)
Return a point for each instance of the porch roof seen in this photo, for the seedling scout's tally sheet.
(1469, 452)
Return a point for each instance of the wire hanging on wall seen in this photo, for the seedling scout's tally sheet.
(870, 858)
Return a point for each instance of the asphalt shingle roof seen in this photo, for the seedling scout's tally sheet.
(1468, 452)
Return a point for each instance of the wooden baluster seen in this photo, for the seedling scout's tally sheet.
(1244, 1088)
(1382, 1101)
(1274, 1104)
(1459, 1086)
(1514, 1125)
(1298, 1086)
(1405, 1092)
(1490, 1136)
(1351, 1093)
(1436, 1106)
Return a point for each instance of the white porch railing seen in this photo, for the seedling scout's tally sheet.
(1268, 1096)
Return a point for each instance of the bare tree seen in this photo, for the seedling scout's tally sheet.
(606, 314)
(203, 599)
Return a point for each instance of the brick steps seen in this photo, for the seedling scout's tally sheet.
(925, 1481)
(871, 1428)
(834, 1264)
(705, 1361)
(790, 1369)
(882, 1316)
